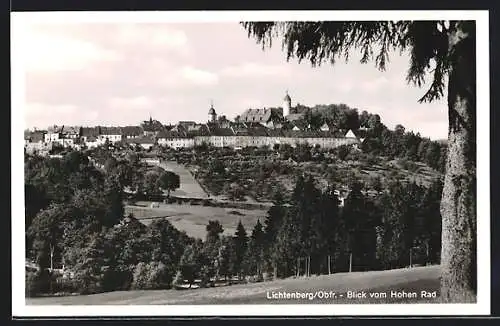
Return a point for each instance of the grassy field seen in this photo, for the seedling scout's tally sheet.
(193, 219)
(408, 280)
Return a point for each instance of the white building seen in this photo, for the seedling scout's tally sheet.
(112, 134)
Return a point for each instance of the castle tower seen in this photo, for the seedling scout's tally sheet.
(212, 116)
(287, 105)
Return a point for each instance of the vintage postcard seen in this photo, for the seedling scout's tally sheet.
(238, 163)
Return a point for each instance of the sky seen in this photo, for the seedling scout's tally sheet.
(120, 73)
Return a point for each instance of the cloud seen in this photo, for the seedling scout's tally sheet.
(374, 84)
(343, 86)
(189, 75)
(126, 103)
(42, 108)
(43, 52)
(44, 114)
(251, 69)
(250, 103)
(147, 36)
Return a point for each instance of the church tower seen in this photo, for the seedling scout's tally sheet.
(212, 116)
(287, 105)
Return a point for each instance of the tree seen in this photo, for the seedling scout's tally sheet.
(446, 51)
(46, 232)
(287, 245)
(110, 164)
(167, 245)
(112, 201)
(217, 166)
(150, 183)
(360, 227)
(189, 265)
(255, 252)
(240, 243)
(235, 191)
(168, 181)
(213, 246)
(343, 151)
(274, 218)
(432, 220)
(227, 256)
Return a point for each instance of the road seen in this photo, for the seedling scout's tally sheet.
(399, 280)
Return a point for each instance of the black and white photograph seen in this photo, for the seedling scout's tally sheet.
(250, 163)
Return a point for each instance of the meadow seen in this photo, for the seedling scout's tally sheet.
(193, 219)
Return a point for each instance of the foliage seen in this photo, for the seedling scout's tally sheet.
(168, 181)
(149, 276)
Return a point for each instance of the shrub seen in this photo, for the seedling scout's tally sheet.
(205, 277)
(87, 283)
(267, 276)
(63, 285)
(178, 280)
(148, 276)
(116, 280)
(36, 283)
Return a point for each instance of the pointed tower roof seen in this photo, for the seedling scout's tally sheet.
(287, 97)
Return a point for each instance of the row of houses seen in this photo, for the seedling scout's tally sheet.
(189, 134)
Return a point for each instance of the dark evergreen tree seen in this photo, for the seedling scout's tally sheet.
(240, 247)
(255, 252)
(360, 229)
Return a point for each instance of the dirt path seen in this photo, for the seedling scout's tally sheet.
(189, 187)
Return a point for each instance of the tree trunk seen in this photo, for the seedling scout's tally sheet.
(458, 204)
(51, 258)
(329, 269)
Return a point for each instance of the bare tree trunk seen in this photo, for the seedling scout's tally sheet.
(427, 251)
(51, 258)
(458, 204)
(329, 268)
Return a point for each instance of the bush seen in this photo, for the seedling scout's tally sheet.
(267, 276)
(205, 277)
(35, 283)
(148, 276)
(87, 283)
(117, 280)
(178, 280)
(63, 285)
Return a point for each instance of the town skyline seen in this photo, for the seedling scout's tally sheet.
(107, 74)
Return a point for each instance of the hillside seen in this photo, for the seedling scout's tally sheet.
(259, 174)
(407, 280)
